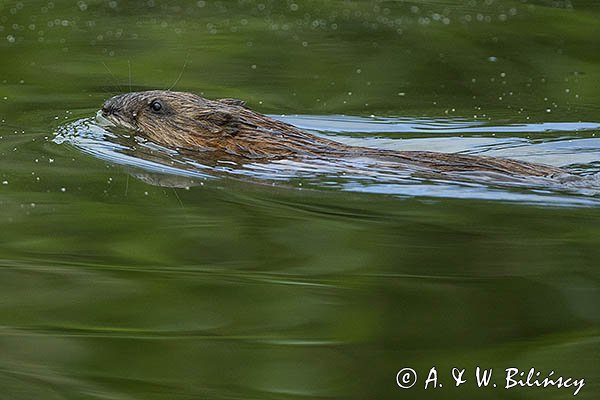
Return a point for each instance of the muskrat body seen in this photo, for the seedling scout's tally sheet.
(226, 129)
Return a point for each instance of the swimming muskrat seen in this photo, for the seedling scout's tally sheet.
(227, 129)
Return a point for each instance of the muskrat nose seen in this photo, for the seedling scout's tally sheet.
(108, 107)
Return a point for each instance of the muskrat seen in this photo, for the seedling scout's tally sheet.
(227, 129)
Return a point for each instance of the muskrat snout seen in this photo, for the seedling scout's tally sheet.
(106, 111)
(109, 107)
(118, 111)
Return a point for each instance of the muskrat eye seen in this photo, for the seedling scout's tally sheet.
(156, 106)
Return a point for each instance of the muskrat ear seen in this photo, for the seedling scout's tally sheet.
(233, 102)
(219, 121)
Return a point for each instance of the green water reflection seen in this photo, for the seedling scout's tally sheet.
(114, 288)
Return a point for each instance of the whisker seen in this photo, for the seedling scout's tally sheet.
(129, 66)
(187, 59)
(178, 199)
(116, 84)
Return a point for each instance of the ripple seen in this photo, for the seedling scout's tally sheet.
(348, 124)
(564, 145)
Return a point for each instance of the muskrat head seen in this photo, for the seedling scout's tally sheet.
(153, 110)
(186, 121)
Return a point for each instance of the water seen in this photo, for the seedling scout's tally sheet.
(128, 271)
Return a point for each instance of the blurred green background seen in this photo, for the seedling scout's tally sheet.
(116, 289)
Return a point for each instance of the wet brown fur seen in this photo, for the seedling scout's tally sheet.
(227, 129)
